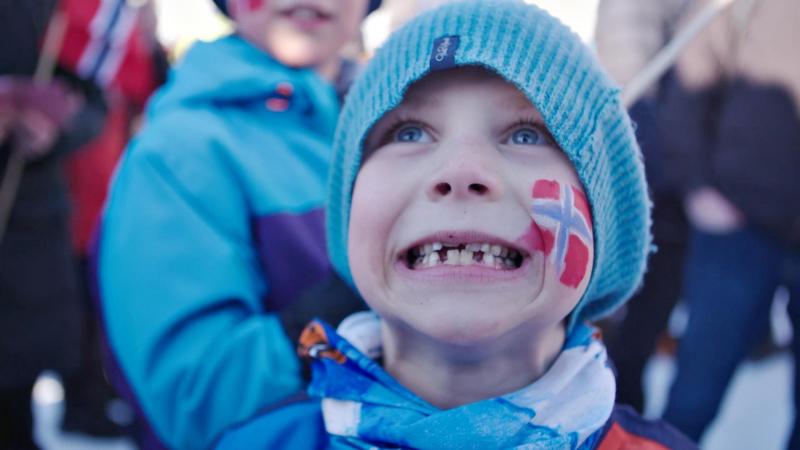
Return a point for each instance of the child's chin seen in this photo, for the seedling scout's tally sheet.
(467, 329)
(300, 51)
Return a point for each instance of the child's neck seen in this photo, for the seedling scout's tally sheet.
(448, 376)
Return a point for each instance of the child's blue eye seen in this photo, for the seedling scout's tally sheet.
(528, 136)
(411, 133)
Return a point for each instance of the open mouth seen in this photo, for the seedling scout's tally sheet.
(480, 254)
(306, 14)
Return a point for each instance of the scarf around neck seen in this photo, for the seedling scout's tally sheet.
(365, 407)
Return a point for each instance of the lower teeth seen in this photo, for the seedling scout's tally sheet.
(454, 257)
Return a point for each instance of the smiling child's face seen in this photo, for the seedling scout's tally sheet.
(467, 221)
(307, 33)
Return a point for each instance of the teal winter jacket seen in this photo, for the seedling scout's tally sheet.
(214, 223)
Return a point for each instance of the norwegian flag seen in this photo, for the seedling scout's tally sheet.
(104, 43)
(562, 214)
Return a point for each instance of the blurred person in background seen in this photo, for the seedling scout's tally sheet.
(732, 138)
(40, 320)
(88, 393)
(628, 35)
(213, 228)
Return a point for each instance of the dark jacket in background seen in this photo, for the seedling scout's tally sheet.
(731, 115)
(40, 320)
(22, 25)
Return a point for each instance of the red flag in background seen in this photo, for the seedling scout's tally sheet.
(112, 43)
(105, 42)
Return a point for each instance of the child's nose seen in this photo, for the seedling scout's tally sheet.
(464, 179)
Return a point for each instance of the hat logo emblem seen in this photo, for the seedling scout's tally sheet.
(441, 51)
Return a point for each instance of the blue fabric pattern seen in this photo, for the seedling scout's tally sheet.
(365, 407)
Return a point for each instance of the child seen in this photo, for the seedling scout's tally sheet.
(487, 199)
(214, 222)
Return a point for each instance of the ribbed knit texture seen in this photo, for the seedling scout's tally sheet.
(578, 102)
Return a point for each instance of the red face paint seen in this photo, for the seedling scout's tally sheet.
(582, 205)
(534, 239)
(561, 213)
(576, 261)
(546, 189)
(253, 5)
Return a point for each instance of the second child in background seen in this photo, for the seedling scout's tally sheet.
(214, 222)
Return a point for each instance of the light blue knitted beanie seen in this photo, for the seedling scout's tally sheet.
(560, 76)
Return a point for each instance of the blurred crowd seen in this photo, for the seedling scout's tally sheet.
(182, 301)
(71, 96)
(719, 133)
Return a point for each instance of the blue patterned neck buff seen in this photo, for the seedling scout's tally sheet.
(364, 407)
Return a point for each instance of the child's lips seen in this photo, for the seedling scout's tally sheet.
(465, 273)
(307, 18)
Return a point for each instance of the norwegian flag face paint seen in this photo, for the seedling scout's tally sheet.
(561, 213)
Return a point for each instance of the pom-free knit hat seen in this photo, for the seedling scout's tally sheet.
(578, 102)
(223, 5)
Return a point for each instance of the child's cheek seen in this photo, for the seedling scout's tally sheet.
(560, 216)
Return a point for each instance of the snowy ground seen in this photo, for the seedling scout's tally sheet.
(48, 408)
(755, 414)
(756, 411)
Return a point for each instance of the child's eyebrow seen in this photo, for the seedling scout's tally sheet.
(419, 102)
(532, 112)
(513, 103)
(523, 105)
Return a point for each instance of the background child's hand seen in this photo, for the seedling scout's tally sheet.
(708, 210)
(34, 133)
(32, 114)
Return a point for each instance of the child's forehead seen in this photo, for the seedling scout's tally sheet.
(430, 91)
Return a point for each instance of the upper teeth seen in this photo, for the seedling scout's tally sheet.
(485, 254)
(496, 250)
